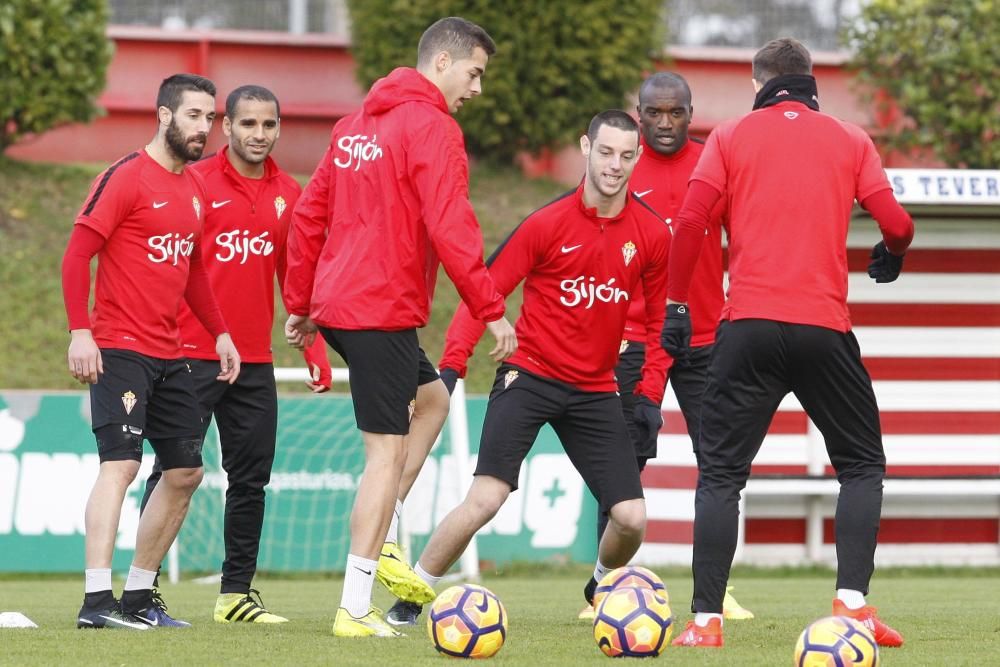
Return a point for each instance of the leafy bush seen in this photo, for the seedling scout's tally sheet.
(557, 64)
(938, 61)
(53, 55)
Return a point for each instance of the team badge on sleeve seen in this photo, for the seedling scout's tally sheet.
(128, 400)
(628, 252)
(279, 205)
(509, 378)
(197, 207)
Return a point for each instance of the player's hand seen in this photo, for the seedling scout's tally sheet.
(676, 335)
(450, 378)
(320, 373)
(506, 339)
(229, 359)
(84, 357)
(300, 331)
(885, 266)
(648, 420)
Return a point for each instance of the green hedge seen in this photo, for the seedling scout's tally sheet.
(939, 61)
(557, 63)
(53, 56)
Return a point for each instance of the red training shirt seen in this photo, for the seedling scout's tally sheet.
(789, 176)
(580, 274)
(662, 181)
(243, 245)
(150, 219)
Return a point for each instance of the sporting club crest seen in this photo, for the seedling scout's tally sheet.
(411, 407)
(128, 400)
(623, 346)
(509, 378)
(197, 207)
(279, 205)
(628, 252)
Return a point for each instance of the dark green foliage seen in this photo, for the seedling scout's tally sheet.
(557, 63)
(53, 56)
(938, 60)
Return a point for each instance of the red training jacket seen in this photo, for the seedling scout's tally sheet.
(581, 272)
(389, 198)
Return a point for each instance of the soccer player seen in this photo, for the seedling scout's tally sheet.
(388, 201)
(243, 248)
(583, 259)
(143, 220)
(660, 179)
(790, 174)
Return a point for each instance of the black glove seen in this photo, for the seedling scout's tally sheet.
(648, 421)
(449, 376)
(885, 266)
(676, 335)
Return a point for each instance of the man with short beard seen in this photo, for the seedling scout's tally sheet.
(143, 220)
(244, 247)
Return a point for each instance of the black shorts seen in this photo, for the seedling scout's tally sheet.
(386, 367)
(148, 398)
(589, 425)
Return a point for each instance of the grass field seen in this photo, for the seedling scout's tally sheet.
(947, 618)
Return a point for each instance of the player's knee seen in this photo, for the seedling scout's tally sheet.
(433, 400)
(486, 497)
(181, 461)
(119, 442)
(629, 517)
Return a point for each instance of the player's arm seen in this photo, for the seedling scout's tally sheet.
(508, 266)
(896, 225)
(84, 357)
(440, 172)
(653, 380)
(306, 236)
(201, 299)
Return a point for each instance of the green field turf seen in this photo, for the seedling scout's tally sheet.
(947, 618)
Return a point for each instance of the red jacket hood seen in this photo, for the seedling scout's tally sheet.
(403, 84)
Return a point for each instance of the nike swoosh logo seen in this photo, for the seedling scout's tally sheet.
(485, 606)
(643, 193)
(368, 572)
(160, 204)
(389, 555)
(217, 204)
(127, 624)
(567, 249)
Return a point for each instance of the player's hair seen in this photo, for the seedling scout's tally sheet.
(250, 92)
(458, 36)
(661, 80)
(614, 118)
(172, 89)
(781, 56)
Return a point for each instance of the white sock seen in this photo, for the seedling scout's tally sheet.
(358, 578)
(430, 579)
(702, 618)
(139, 580)
(393, 535)
(97, 580)
(852, 599)
(600, 570)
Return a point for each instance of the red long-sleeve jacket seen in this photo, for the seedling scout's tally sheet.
(387, 203)
(580, 274)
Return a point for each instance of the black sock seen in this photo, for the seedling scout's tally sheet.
(99, 600)
(133, 601)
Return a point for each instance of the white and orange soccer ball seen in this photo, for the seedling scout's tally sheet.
(633, 622)
(836, 641)
(467, 621)
(629, 576)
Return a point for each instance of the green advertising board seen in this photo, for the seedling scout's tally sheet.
(48, 463)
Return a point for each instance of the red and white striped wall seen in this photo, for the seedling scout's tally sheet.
(931, 342)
